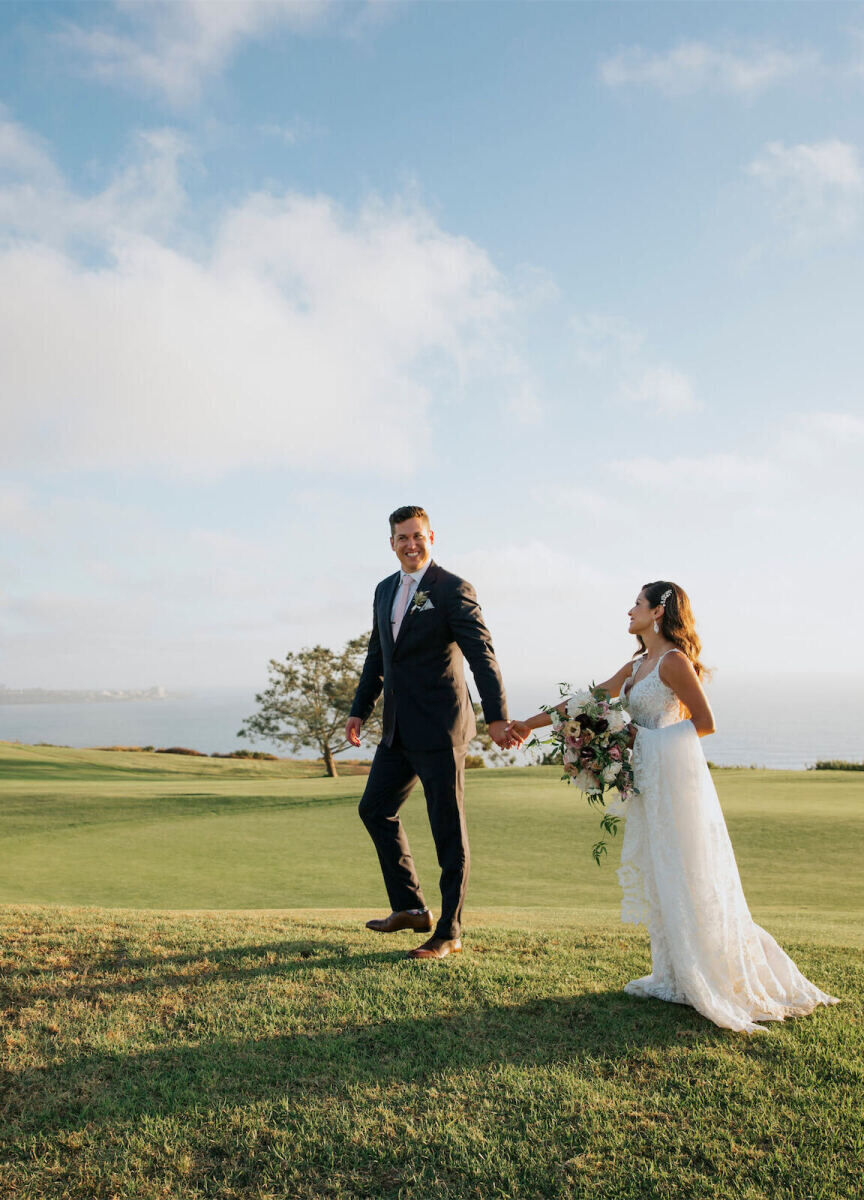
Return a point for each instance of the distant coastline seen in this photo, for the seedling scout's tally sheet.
(78, 695)
(784, 723)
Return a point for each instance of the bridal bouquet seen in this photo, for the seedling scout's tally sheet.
(593, 741)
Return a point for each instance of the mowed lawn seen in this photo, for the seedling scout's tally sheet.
(137, 830)
(268, 1055)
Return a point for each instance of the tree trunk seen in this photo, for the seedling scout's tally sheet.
(330, 763)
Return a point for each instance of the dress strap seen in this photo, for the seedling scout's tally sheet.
(628, 683)
(674, 650)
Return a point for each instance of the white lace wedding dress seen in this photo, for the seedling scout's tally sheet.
(680, 878)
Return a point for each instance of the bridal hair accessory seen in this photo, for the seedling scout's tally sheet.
(663, 600)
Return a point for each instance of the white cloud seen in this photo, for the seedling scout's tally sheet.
(543, 605)
(301, 334)
(616, 353)
(721, 474)
(856, 66)
(599, 340)
(823, 451)
(663, 389)
(524, 406)
(18, 514)
(840, 428)
(112, 593)
(816, 452)
(739, 530)
(695, 66)
(113, 596)
(172, 46)
(23, 154)
(37, 205)
(292, 133)
(817, 187)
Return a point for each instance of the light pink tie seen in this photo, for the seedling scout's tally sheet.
(402, 605)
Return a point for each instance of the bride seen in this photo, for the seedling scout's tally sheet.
(678, 872)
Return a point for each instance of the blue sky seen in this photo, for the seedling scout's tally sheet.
(583, 279)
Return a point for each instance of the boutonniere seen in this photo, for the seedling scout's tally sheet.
(421, 601)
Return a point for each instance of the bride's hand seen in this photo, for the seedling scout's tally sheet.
(520, 730)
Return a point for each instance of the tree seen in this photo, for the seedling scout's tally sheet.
(308, 700)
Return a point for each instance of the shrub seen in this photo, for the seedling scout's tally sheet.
(474, 760)
(248, 754)
(733, 766)
(181, 750)
(835, 764)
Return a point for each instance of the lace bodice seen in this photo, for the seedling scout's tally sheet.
(649, 701)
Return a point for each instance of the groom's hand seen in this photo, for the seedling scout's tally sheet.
(352, 730)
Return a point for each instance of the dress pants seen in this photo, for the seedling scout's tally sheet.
(395, 770)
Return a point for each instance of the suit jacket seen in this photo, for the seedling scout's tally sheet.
(421, 674)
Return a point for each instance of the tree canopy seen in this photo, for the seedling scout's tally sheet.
(308, 700)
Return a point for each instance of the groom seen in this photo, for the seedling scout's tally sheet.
(423, 621)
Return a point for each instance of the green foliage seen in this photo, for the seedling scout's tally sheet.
(608, 824)
(309, 698)
(259, 754)
(126, 749)
(183, 750)
(836, 764)
(270, 1056)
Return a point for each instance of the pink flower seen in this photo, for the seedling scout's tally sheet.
(615, 752)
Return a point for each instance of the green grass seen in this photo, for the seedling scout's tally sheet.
(297, 1055)
(143, 831)
(256, 1055)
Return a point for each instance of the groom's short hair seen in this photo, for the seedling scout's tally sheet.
(405, 513)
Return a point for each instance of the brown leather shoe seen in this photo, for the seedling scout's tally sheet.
(437, 948)
(419, 922)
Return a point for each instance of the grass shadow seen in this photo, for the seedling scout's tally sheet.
(85, 976)
(103, 1087)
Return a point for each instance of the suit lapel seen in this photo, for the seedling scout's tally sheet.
(385, 612)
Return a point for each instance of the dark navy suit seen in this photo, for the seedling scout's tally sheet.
(428, 721)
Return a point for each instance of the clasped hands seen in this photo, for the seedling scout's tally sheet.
(508, 735)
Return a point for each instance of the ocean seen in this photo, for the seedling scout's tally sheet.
(783, 723)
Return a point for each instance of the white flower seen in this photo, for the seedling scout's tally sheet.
(618, 720)
(586, 782)
(577, 702)
(610, 772)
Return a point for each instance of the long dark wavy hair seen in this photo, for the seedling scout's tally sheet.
(677, 624)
